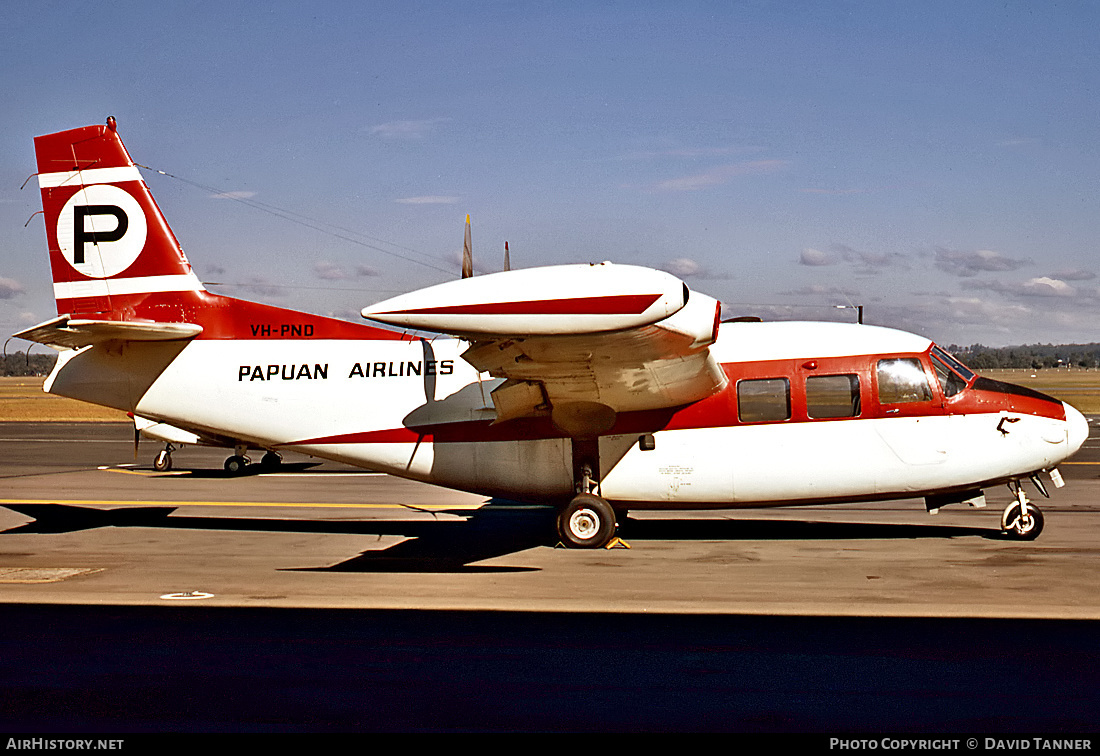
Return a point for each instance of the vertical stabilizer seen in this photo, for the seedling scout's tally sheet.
(110, 246)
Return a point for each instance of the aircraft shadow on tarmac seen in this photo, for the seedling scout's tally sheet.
(497, 529)
(246, 472)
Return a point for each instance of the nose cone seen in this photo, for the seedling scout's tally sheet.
(1078, 428)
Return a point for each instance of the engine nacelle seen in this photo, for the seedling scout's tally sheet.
(552, 300)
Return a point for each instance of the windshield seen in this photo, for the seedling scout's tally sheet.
(948, 370)
(948, 359)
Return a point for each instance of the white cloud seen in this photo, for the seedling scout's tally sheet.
(9, 288)
(1048, 287)
(719, 175)
(263, 286)
(330, 271)
(818, 290)
(838, 192)
(1042, 286)
(683, 266)
(864, 262)
(434, 199)
(234, 195)
(1074, 275)
(406, 129)
(967, 264)
(690, 152)
(815, 258)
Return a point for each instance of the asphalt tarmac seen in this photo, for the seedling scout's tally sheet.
(322, 597)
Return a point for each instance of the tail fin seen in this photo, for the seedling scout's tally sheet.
(110, 246)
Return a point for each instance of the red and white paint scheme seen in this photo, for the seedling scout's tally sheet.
(598, 388)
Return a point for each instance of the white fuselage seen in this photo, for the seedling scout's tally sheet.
(416, 409)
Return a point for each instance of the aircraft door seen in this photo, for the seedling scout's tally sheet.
(915, 426)
(903, 388)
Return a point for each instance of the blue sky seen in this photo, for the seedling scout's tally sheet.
(936, 162)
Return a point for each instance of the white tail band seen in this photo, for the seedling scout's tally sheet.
(88, 177)
(115, 286)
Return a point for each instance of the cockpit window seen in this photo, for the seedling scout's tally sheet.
(949, 359)
(902, 380)
(949, 381)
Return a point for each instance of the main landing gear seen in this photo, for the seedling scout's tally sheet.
(1022, 520)
(236, 464)
(588, 521)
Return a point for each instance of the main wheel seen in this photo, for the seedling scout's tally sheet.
(236, 464)
(1022, 528)
(163, 461)
(587, 522)
(271, 460)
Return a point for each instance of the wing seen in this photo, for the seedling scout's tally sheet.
(581, 343)
(68, 333)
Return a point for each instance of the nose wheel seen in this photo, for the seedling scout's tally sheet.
(1021, 520)
(163, 461)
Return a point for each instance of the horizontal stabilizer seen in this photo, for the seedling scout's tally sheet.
(68, 333)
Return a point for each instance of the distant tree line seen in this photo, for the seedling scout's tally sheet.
(19, 363)
(1030, 356)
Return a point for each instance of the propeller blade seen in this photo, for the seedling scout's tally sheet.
(467, 253)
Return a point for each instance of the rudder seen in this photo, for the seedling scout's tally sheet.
(110, 246)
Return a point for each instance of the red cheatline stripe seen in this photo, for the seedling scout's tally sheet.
(622, 304)
(388, 436)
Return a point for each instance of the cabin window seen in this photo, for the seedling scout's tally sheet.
(764, 401)
(832, 396)
(951, 383)
(902, 380)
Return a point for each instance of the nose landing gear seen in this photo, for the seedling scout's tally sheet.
(1022, 520)
(163, 461)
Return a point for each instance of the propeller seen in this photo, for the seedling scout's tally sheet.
(467, 253)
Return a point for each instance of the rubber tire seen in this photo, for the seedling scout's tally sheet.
(271, 461)
(1010, 522)
(236, 465)
(587, 522)
(163, 461)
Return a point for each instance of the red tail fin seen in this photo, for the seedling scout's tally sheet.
(110, 247)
